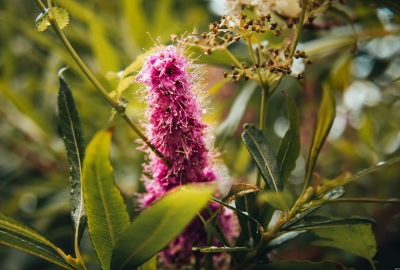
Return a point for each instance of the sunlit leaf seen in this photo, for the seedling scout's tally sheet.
(72, 133)
(289, 149)
(105, 208)
(43, 20)
(301, 265)
(326, 115)
(357, 239)
(263, 155)
(32, 248)
(158, 225)
(282, 200)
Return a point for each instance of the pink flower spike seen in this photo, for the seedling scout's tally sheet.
(175, 128)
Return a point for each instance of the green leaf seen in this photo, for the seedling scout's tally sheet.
(32, 248)
(289, 149)
(326, 116)
(13, 226)
(105, 208)
(75, 145)
(301, 265)
(263, 155)
(43, 20)
(323, 222)
(159, 225)
(357, 239)
(281, 200)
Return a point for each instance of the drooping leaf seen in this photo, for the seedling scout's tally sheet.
(239, 190)
(32, 248)
(301, 265)
(72, 133)
(105, 208)
(326, 115)
(357, 239)
(282, 200)
(158, 225)
(11, 225)
(263, 155)
(289, 149)
(43, 20)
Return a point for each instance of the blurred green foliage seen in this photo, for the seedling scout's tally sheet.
(109, 35)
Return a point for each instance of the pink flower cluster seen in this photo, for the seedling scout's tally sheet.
(175, 128)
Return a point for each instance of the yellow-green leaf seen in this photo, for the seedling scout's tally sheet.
(357, 239)
(326, 116)
(60, 15)
(105, 208)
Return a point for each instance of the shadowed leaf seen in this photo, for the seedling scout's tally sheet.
(32, 248)
(357, 239)
(289, 149)
(263, 155)
(71, 129)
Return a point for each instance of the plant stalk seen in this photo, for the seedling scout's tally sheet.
(97, 84)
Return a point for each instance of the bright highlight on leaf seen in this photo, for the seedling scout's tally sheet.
(61, 17)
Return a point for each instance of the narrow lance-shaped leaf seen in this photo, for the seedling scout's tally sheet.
(263, 155)
(75, 145)
(32, 248)
(289, 149)
(12, 231)
(357, 239)
(158, 225)
(11, 225)
(326, 116)
(105, 208)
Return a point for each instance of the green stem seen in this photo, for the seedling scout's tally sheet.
(233, 58)
(96, 83)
